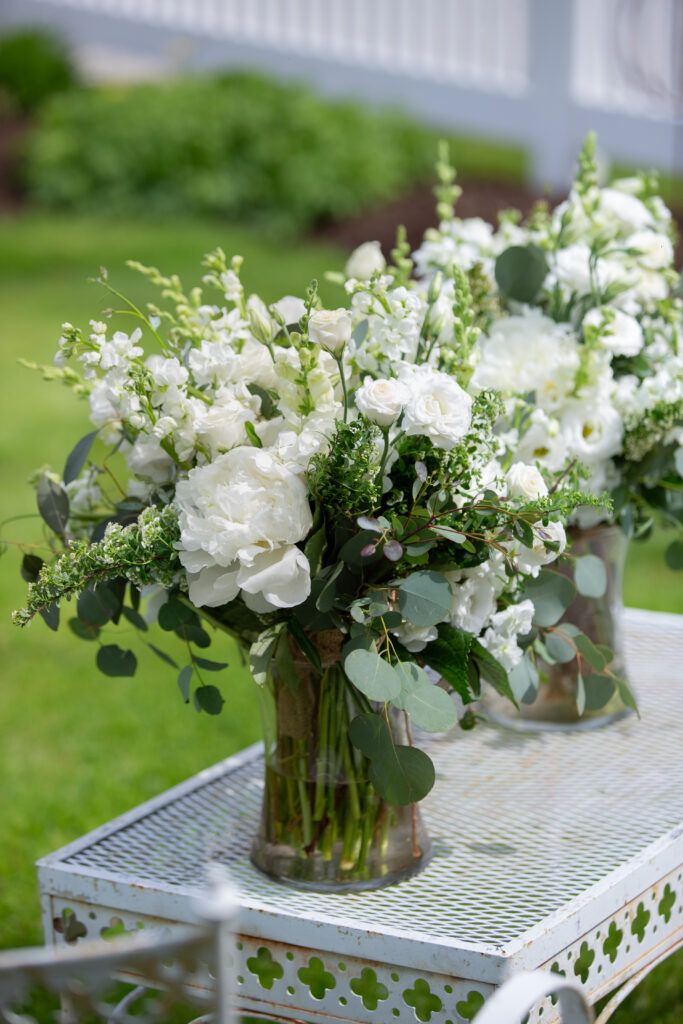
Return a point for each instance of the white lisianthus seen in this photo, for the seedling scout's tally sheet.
(525, 482)
(364, 261)
(331, 329)
(382, 401)
(622, 334)
(592, 428)
(239, 506)
(277, 579)
(437, 407)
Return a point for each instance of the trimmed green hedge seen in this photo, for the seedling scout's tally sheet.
(239, 147)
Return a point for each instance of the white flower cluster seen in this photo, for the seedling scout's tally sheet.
(601, 345)
(224, 422)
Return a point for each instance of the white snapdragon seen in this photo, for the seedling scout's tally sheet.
(365, 261)
(383, 400)
(330, 329)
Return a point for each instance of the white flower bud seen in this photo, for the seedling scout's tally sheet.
(260, 325)
(330, 329)
(364, 261)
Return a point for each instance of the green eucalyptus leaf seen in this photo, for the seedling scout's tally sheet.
(53, 504)
(193, 634)
(134, 618)
(112, 660)
(599, 691)
(164, 657)
(372, 675)
(184, 678)
(551, 593)
(173, 613)
(523, 680)
(77, 456)
(210, 666)
(626, 695)
(97, 605)
(412, 678)
(425, 598)
(351, 550)
(209, 699)
(431, 708)
(590, 576)
(261, 652)
(401, 775)
(674, 554)
(370, 734)
(559, 648)
(520, 271)
(580, 694)
(30, 568)
(328, 594)
(589, 651)
(83, 630)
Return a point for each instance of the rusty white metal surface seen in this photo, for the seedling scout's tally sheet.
(562, 851)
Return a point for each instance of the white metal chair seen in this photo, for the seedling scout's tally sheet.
(513, 1000)
(169, 963)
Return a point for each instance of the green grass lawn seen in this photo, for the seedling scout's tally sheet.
(78, 748)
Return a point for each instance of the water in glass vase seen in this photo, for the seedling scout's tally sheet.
(323, 826)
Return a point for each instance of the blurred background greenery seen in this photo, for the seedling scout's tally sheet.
(94, 177)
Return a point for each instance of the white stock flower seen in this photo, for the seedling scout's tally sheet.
(382, 401)
(474, 602)
(656, 249)
(525, 482)
(330, 329)
(364, 261)
(239, 506)
(622, 334)
(628, 211)
(501, 637)
(437, 407)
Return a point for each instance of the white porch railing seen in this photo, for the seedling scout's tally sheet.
(538, 72)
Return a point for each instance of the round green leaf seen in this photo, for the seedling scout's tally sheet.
(30, 568)
(589, 651)
(599, 691)
(209, 699)
(97, 605)
(184, 677)
(370, 734)
(412, 678)
(135, 618)
(425, 598)
(372, 675)
(402, 775)
(431, 709)
(520, 272)
(53, 504)
(113, 661)
(551, 594)
(674, 554)
(559, 648)
(523, 680)
(84, 630)
(590, 576)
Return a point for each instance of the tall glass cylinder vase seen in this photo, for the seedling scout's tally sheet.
(323, 826)
(554, 705)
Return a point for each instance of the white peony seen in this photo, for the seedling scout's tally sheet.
(277, 579)
(437, 407)
(364, 261)
(525, 482)
(239, 506)
(382, 401)
(622, 334)
(331, 329)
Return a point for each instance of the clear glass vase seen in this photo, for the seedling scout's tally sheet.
(323, 826)
(554, 706)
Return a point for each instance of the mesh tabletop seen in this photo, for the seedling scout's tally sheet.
(523, 824)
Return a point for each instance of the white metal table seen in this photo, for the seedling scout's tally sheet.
(557, 851)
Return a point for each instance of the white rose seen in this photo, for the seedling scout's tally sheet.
(239, 506)
(290, 308)
(277, 579)
(382, 401)
(525, 482)
(364, 261)
(331, 329)
(622, 335)
(437, 407)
